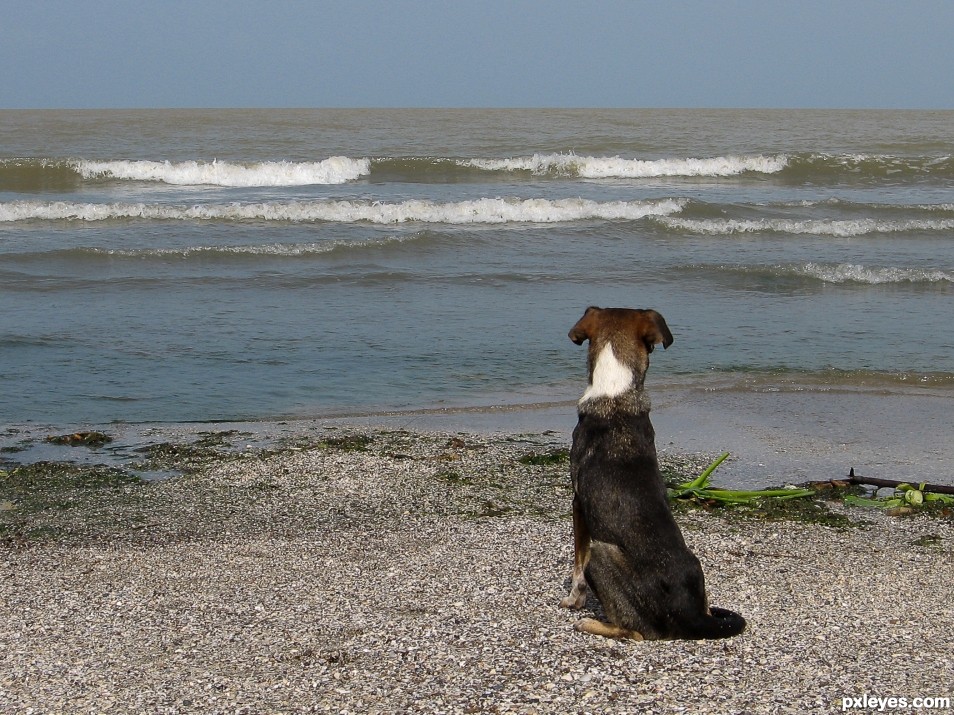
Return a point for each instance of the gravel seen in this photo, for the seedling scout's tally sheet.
(421, 573)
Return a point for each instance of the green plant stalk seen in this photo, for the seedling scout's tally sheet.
(779, 493)
(744, 497)
(703, 479)
(699, 488)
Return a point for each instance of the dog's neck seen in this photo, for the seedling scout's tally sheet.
(614, 386)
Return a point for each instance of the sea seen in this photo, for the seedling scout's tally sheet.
(213, 266)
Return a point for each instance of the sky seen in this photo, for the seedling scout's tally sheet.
(488, 53)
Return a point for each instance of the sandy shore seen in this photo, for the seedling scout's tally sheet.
(393, 571)
(777, 431)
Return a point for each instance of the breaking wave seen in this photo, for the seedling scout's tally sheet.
(832, 273)
(817, 227)
(334, 170)
(38, 174)
(590, 167)
(488, 211)
(855, 273)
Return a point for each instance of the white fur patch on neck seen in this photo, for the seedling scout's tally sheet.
(611, 378)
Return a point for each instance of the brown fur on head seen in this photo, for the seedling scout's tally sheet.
(632, 333)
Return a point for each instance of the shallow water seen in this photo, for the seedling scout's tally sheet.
(190, 266)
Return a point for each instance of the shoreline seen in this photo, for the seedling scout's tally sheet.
(775, 434)
(398, 571)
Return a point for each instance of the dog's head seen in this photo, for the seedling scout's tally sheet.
(620, 342)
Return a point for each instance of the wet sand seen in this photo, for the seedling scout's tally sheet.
(774, 436)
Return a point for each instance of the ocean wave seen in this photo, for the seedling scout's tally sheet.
(334, 170)
(41, 174)
(209, 254)
(824, 168)
(812, 167)
(490, 211)
(592, 167)
(268, 250)
(807, 166)
(836, 273)
(818, 227)
(866, 207)
(37, 175)
(855, 273)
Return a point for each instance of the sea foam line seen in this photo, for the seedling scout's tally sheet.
(836, 272)
(334, 170)
(855, 273)
(494, 211)
(840, 228)
(275, 250)
(590, 167)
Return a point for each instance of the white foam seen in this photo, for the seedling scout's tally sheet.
(492, 211)
(591, 167)
(334, 170)
(854, 273)
(278, 250)
(841, 228)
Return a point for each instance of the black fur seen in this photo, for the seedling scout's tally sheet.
(637, 562)
(640, 568)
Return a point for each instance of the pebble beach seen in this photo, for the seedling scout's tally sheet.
(393, 571)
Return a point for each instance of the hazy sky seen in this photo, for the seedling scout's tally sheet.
(461, 53)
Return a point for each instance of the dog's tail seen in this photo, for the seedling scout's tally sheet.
(722, 623)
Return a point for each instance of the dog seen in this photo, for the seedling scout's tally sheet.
(627, 545)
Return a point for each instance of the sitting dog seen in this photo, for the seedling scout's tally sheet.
(627, 545)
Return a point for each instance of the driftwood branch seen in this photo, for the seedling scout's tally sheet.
(872, 481)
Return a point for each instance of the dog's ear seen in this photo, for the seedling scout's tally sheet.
(653, 330)
(582, 331)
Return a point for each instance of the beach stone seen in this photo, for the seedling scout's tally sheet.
(356, 577)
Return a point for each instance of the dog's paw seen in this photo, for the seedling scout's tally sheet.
(573, 601)
(607, 630)
(587, 625)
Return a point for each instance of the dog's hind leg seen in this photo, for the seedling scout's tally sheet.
(581, 556)
(607, 630)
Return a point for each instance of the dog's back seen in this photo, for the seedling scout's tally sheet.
(649, 583)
